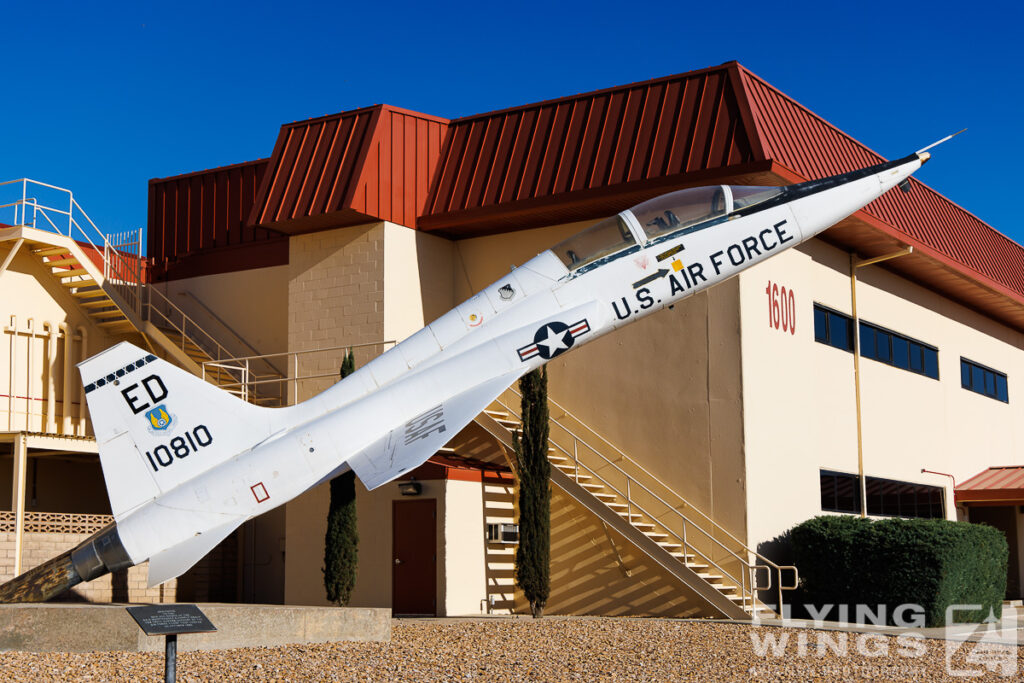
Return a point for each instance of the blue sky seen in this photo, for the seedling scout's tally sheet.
(101, 97)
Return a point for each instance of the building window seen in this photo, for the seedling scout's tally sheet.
(877, 343)
(833, 328)
(983, 380)
(839, 492)
(898, 350)
(890, 498)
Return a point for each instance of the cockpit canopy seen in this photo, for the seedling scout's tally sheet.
(657, 217)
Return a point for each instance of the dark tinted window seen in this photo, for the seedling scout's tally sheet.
(983, 380)
(839, 492)
(885, 497)
(833, 328)
(820, 325)
(891, 498)
(898, 350)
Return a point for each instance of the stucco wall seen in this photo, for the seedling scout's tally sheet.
(29, 292)
(799, 414)
(465, 577)
(253, 303)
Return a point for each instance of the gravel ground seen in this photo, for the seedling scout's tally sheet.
(552, 649)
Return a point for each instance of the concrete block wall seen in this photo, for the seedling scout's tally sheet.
(335, 297)
(128, 585)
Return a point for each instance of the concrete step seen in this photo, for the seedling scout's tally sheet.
(96, 304)
(85, 282)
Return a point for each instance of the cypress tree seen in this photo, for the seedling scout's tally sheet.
(341, 543)
(533, 556)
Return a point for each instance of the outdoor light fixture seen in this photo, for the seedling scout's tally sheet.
(410, 488)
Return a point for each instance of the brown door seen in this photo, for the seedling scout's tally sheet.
(414, 557)
(1004, 518)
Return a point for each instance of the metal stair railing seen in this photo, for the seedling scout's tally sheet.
(165, 314)
(275, 371)
(630, 488)
(288, 386)
(122, 270)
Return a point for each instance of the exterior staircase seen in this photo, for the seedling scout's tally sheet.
(728, 576)
(105, 274)
(70, 265)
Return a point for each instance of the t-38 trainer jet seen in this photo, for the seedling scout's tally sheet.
(186, 463)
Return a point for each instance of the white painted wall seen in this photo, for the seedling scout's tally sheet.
(798, 395)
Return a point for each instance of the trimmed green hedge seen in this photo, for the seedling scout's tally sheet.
(933, 563)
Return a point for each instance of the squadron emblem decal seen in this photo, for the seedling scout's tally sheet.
(553, 339)
(159, 419)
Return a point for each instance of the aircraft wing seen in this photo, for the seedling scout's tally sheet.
(446, 397)
(409, 445)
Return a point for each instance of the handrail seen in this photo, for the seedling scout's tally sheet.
(635, 464)
(122, 270)
(293, 359)
(219, 352)
(685, 545)
(230, 329)
(750, 574)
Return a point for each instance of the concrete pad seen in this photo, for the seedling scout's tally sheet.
(109, 628)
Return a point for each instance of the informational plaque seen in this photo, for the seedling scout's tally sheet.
(162, 620)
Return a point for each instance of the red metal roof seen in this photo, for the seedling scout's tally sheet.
(579, 158)
(195, 215)
(348, 168)
(602, 143)
(811, 148)
(996, 484)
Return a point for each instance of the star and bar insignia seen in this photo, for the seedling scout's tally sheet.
(553, 339)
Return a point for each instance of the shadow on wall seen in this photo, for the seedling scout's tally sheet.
(119, 586)
(587, 576)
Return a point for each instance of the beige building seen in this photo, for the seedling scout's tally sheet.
(684, 446)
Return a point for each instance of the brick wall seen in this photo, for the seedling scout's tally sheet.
(127, 585)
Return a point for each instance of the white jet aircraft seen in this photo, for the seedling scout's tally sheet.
(186, 463)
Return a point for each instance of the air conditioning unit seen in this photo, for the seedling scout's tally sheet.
(503, 533)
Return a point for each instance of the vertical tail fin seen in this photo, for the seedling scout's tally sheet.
(158, 426)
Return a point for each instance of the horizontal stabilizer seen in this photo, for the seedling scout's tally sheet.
(178, 559)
